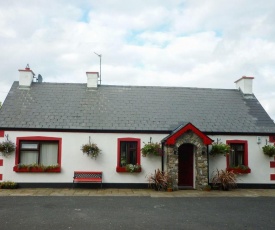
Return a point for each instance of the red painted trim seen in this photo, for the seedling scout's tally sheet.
(172, 139)
(36, 170)
(2, 133)
(272, 176)
(244, 77)
(88, 172)
(1, 162)
(272, 164)
(1, 176)
(239, 171)
(38, 138)
(245, 151)
(26, 70)
(272, 139)
(122, 169)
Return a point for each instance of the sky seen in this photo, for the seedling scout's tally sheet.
(183, 43)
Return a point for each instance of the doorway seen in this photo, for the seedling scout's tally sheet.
(186, 165)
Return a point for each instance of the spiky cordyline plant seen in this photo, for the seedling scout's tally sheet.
(225, 179)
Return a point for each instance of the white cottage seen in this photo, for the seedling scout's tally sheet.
(49, 122)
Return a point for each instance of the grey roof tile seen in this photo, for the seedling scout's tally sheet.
(73, 106)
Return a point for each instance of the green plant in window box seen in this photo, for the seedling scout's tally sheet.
(132, 168)
(8, 185)
(220, 149)
(269, 150)
(7, 148)
(240, 169)
(151, 149)
(91, 150)
(35, 166)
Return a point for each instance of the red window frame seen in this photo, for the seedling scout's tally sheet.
(37, 138)
(245, 157)
(127, 139)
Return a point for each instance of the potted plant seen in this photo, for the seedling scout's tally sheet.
(133, 168)
(151, 149)
(207, 188)
(158, 180)
(219, 149)
(170, 184)
(269, 150)
(7, 148)
(225, 179)
(91, 150)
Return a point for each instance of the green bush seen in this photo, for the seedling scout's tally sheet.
(8, 185)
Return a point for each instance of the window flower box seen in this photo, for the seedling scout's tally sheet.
(37, 168)
(239, 170)
(128, 168)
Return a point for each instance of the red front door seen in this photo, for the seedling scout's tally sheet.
(185, 166)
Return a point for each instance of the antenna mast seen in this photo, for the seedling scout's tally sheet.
(99, 55)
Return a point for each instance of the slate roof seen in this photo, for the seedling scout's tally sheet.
(70, 106)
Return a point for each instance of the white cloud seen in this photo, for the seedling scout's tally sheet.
(176, 43)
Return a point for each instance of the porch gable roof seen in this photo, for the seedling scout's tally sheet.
(171, 139)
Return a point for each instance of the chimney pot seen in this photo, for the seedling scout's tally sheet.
(92, 79)
(245, 84)
(25, 77)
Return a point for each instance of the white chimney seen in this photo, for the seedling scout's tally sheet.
(25, 77)
(245, 84)
(92, 79)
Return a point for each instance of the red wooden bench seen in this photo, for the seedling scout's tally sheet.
(87, 176)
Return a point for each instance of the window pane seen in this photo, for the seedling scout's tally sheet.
(29, 146)
(236, 155)
(28, 157)
(123, 150)
(48, 153)
(128, 153)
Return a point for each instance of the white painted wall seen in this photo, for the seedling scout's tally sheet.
(257, 161)
(73, 159)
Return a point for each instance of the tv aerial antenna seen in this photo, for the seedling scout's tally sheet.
(99, 55)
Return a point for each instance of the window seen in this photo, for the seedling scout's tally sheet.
(128, 152)
(238, 156)
(38, 151)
